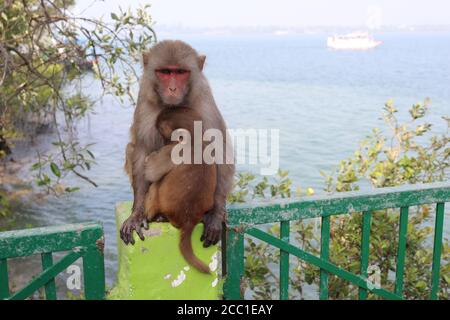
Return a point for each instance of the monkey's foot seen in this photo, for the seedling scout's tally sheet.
(134, 222)
(213, 229)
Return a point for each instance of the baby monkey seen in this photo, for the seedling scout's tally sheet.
(183, 192)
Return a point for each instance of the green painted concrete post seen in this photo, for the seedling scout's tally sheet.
(155, 269)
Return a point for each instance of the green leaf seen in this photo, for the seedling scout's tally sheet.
(446, 278)
(55, 169)
(421, 284)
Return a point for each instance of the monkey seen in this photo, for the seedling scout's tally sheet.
(183, 192)
(173, 77)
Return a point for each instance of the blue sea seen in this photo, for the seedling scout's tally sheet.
(322, 101)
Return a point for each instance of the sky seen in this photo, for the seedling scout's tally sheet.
(293, 13)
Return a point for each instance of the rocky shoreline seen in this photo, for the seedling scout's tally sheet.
(16, 179)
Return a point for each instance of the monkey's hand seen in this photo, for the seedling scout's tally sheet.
(136, 221)
(213, 226)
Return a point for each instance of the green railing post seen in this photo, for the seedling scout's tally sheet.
(246, 219)
(325, 255)
(401, 251)
(4, 282)
(235, 264)
(316, 261)
(45, 276)
(365, 251)
(284, 262)
(94, 273)
(50, 288)
(80, 240)
(437, 246)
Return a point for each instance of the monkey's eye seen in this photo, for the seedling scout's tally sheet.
(164, 71)
(180, 71)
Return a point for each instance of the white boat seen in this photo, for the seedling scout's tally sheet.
(352, 41)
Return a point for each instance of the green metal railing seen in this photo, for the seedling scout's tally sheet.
(83, 240)
(242, 220)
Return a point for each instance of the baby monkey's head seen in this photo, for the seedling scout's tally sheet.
(180, 119)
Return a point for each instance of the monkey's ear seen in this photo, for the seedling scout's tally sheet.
(145, 56)
(201, 61)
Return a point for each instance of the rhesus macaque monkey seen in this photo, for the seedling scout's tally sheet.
(183, 192)
(173, 78)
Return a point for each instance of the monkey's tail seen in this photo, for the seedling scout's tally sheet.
(186, 249)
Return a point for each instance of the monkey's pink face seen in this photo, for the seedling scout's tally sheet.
(173, 84)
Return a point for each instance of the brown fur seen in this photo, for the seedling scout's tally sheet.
(186, 191)
(145, 138)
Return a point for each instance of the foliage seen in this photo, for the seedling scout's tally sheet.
(45, 52)
(5, 205)
(407, 153)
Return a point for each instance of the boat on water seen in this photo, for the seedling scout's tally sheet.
(353, 41)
